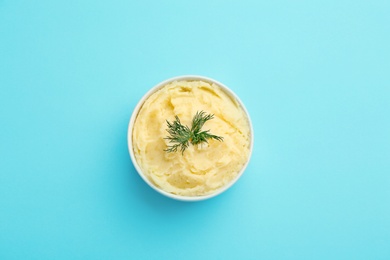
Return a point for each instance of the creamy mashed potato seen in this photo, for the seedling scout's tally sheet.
(201, 169)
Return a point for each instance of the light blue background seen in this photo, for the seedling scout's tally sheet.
(314, 75)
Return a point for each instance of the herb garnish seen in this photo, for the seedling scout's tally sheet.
(181, 135)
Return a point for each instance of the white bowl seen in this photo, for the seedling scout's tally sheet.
(130, 139)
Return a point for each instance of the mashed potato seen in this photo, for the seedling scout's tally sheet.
(201, 169)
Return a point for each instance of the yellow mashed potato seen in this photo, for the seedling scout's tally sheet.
(201, 169)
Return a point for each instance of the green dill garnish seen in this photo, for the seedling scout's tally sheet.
(181, 135)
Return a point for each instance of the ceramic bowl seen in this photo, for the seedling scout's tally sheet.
(130, 139)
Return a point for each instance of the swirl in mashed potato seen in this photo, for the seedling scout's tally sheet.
(201, 169)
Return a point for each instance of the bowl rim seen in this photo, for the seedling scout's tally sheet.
(135, 114)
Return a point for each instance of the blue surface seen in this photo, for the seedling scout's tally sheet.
(315, 77)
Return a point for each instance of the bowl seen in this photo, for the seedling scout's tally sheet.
(134, 116)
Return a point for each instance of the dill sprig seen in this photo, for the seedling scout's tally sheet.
(181, 135)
